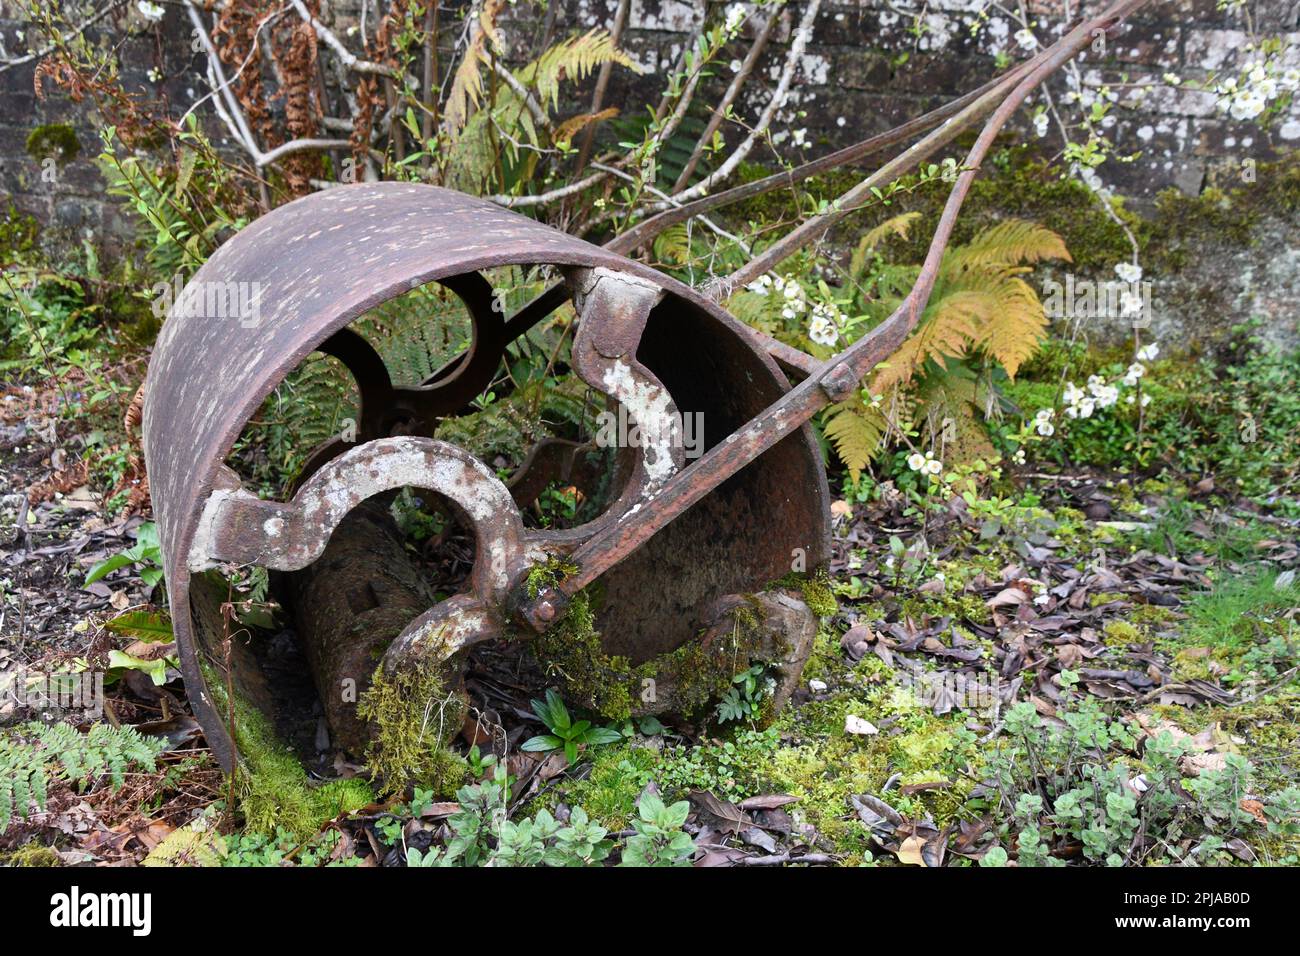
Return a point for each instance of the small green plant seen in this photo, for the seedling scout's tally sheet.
(544, 841)
(34, 757)
(282, 848)
(745, 700)
(483, 808)
(565, 733)
(1086, 783)
(659, 839)
(479, 764)
(727, 768)
(430, 857)
(484, 836)
(146, 552)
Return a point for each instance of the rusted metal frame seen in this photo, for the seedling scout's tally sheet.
(643, 232)
(207, 378)
(447, 391)
(462, 379)
(374, 389)
(240, 528)
(834, 380)
(614, 308)
(556, 295)
(788, 356)
(368, 371)
(813, 229)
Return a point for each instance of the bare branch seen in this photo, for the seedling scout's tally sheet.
(299, 146)
(800, 43)
(602, 83)
(663, 195)
(542, 199)
(733, 90)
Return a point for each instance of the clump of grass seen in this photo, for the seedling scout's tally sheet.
(1237, 609)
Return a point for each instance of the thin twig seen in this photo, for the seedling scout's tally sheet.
(733, 90)
(602, 83)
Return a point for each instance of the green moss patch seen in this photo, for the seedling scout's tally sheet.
(414, 715)
(274, 789)
(56, 141)
(695, 675)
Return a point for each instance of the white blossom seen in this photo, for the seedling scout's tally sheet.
(822, 331)
(1135, 372)
(1130, 303)
(824, 325)
(1129, 272)
(1246, 106)
(736, 17)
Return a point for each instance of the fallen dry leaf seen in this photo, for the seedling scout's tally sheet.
(910, 851)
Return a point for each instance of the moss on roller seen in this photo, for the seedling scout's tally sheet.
(274, 789)
(414, 715)
(606, 683)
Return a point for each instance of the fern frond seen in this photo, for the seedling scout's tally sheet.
(572, 59)
(32, 755)
(1008, 243)
(574, 125)
(945, 331)
(1016, 327)
(855, 430)
(895, 225)
(673, 245)
(953, 424)
(467, 83)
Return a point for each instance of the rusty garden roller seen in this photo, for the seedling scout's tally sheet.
(644, 340)
(681, 547)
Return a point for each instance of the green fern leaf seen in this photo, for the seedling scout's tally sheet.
(855, 429)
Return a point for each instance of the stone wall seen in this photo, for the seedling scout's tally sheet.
(865, 70)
